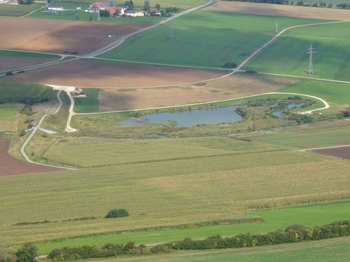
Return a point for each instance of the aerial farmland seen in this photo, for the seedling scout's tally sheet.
(189, 132)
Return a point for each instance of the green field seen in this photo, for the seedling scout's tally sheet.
(280, 218)
(336, 136)
(17, 10)
(89, 103)
(287, 54)
(23, 92)
(27, 54)
(7, 111)
(203, 38)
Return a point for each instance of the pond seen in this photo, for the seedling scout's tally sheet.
(190, 118)
(279, 114)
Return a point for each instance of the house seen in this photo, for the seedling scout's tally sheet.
(154, 11)
(107, 6)
(13, 2)
(130, 13)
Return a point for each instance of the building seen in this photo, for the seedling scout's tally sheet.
(107, 6)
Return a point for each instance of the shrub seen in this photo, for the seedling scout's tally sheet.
(117, 213)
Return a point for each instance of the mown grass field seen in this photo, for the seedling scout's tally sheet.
(281, 218)
(203, 38)
(87, 104)
(27, 54)
(7, 111)
(168, 192)
(17, 10)
(325, 250)
(287, 54)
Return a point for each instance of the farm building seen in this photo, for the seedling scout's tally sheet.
(14, 2)
(107, 6)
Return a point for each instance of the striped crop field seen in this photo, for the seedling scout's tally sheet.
(203, 38)
(94, 152)
(166, 192)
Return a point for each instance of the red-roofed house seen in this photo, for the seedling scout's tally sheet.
(108, 6)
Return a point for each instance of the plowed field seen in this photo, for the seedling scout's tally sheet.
(58, 36)
(343, 152)
(96, 74)
(280, 10)
(10, 166)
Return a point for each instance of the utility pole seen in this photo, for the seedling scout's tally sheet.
(310, 51)
(98, 14)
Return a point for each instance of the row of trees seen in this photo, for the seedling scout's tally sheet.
(27, 253)
(295, 233)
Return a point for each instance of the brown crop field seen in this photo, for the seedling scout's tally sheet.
(10, 166)
(234, 86)
(280, 10)
(57, 36)
(10, 63)
(96, 74)
(343, 152)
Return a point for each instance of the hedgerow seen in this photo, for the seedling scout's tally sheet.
(292, 234)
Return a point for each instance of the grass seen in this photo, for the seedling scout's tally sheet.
(203, 38)
(287, 55)
(14, 91)
(8, 111)
(334, 93)
(324, 250)
(27, 54)
(167, 192)
(281, 218)
(17, 10)
(310, 138)
(89, 103)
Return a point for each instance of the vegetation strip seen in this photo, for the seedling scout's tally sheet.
(292, 234)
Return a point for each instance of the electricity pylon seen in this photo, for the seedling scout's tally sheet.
(310, 51)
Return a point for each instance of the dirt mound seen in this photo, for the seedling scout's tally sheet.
(10, 166)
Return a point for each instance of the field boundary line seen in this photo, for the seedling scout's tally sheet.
(320, 148)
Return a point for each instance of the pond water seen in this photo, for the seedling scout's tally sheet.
(279, 114)
(190, 118)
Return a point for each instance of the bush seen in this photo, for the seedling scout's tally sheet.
(117, 213)
(27, 253)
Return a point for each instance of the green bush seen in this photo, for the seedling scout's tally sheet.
(117, 213)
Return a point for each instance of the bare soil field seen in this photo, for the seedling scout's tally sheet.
(238, 85)
(10, 166)
(280, 10)
(96, 74)
(343, 152)
(57, 36)
(9, 63)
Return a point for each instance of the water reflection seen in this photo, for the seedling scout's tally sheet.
(190, 118)
(279, 114)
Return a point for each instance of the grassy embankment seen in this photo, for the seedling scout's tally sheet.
(204, 38)
(171, 191)
(287, 55)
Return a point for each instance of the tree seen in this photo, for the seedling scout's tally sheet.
(104, 13)
(117, 213)
(26, 2)
(147, 6)
(157, 6)
(27, 253)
